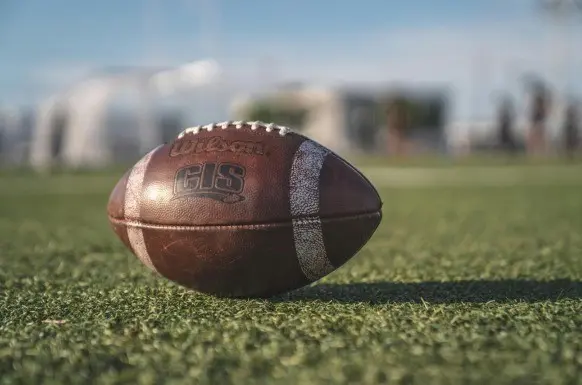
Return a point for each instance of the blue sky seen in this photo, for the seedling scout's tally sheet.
(476, 48)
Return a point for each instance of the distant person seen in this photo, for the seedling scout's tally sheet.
(506, 119)
(539, 113)
(571, 130)
(398, 124)
(363, 120)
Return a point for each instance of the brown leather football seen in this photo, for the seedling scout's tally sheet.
(243, 209)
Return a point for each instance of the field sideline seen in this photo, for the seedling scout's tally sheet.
(381, 176)
(474, 277)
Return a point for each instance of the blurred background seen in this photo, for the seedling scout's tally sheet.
(465, 114)
(93, 84)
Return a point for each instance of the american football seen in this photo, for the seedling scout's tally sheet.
(243, 209)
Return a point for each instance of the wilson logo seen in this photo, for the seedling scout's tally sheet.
(219, 181)
(216, 144)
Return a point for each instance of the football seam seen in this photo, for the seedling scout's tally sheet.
(249, 226)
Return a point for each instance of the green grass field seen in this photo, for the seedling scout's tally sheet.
(474, 277)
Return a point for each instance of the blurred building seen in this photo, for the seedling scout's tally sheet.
(16, 126)
(351, 119)
(112, 117)
(482, 136)
(71, 127)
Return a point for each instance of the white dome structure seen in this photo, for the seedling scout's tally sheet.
(72, 128)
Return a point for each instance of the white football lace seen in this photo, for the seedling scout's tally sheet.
(237, 125)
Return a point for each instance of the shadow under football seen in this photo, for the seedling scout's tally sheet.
(472, 291)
